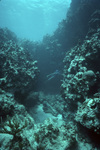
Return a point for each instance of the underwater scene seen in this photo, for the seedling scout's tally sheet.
(49, 74)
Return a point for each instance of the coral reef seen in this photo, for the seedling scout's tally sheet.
(88, 114)
(81, 70)
(76, 24)
(7, 105)
(81, 80)
(7, 35)
(52, 122)
(17, 69)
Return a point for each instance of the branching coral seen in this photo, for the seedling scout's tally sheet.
(13, 126)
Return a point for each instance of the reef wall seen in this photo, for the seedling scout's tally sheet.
(81, 82)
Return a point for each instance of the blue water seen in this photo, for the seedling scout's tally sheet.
(32, 19)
